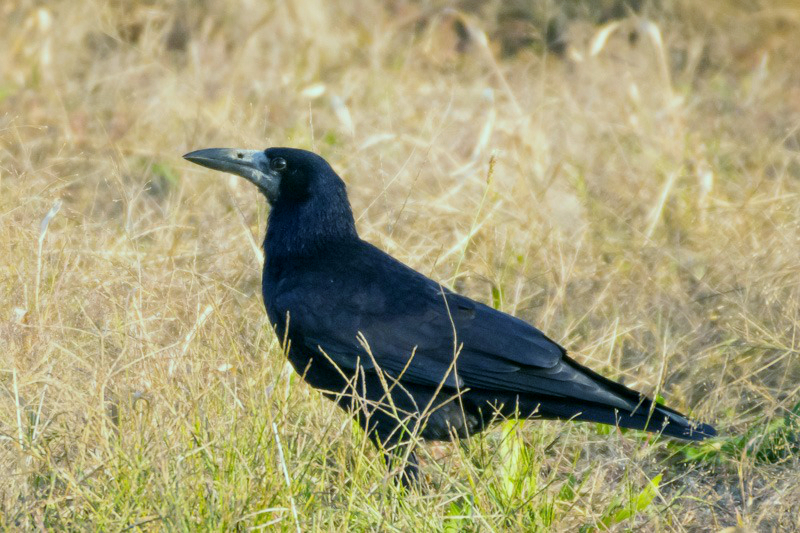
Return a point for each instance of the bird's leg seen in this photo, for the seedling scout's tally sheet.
(397, 452)
(410, 474)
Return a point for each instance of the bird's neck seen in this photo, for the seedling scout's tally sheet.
(303, 230)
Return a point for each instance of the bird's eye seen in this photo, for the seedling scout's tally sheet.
(277, 164)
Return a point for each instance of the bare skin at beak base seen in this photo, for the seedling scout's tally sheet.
(249, 164)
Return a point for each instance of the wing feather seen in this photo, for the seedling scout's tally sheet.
(420, 334)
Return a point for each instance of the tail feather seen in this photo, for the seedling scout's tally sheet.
(641, 413)
(661, 420)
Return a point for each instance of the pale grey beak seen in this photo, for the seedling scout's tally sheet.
(252, 165)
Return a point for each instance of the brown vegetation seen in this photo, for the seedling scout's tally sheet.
(643, 210)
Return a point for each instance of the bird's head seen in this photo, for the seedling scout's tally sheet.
(281, 174)
(310, 210)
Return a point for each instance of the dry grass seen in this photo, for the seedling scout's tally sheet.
(644, 210)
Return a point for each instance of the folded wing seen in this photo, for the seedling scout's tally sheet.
(434, 336)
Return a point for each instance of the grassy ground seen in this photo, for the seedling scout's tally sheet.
(643, 208)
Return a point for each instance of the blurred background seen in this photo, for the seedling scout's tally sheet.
(624, 174)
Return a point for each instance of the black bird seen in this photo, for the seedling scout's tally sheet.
(404, 354)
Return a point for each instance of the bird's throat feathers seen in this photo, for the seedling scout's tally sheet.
(309, 227)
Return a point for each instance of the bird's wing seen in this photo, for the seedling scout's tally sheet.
(418, 335)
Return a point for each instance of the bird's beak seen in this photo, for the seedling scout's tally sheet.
(249, 164)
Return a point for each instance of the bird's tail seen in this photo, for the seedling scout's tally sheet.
(661, 420)
(630, 410)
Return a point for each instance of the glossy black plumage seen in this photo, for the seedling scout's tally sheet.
(359, 322)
